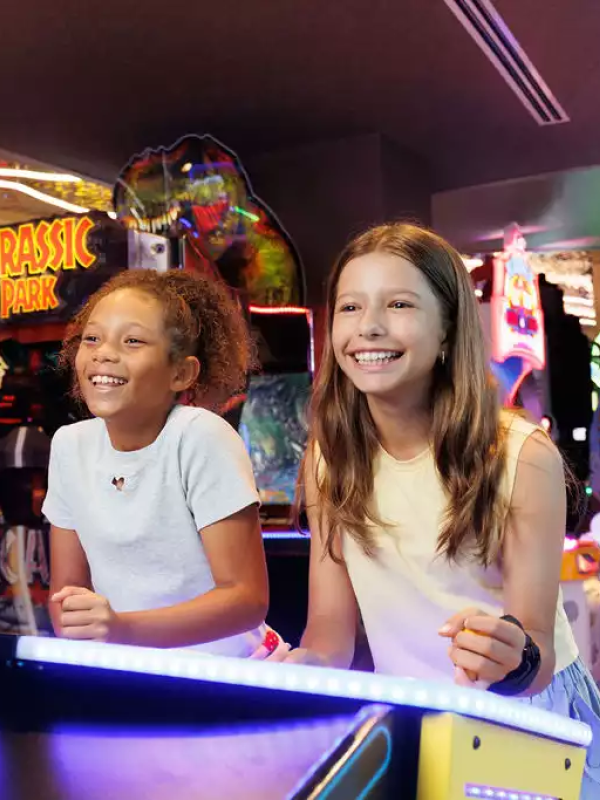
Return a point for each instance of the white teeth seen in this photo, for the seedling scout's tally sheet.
(107, 380)
(376, 357)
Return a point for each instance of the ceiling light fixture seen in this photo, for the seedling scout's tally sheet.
(13, 186)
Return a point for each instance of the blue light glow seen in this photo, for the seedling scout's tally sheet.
(495, 793)
(286, 535)
(302, 679)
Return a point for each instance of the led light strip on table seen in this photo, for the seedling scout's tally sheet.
(285, 535)
(491, 793)
(305, 680)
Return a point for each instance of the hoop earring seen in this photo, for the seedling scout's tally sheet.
(443, 357)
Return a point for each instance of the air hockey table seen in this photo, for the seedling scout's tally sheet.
(87, 721)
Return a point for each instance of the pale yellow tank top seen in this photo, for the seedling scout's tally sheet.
(406, 592)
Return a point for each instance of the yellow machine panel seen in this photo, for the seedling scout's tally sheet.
(462, 757)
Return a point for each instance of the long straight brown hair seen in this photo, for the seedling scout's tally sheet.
(467, 436)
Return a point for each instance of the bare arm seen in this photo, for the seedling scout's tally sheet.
(332, 616)
(69, 567)
(238, 602)
(532, 556)
(533, 548)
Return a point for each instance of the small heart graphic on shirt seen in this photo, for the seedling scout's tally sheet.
(118, 483)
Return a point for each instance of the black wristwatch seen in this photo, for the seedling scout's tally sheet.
(521, 678)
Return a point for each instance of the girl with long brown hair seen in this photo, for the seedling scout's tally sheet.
(432, 510)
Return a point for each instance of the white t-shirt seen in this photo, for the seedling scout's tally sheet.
(142, 542)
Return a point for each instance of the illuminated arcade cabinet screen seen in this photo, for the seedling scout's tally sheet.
(34, 389)
(274, 429)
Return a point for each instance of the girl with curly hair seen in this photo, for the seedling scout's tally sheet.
(155, 533)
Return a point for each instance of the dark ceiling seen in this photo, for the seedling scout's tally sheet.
(84, 85)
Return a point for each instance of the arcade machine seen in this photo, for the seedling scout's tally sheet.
(274, 427)
(274, 419)
(197, 195)
(513, 319)
(107, 721)
(525, 320)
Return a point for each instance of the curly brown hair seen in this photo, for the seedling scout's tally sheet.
(202, 319)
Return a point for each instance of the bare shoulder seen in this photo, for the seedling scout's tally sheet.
(540, 471)
(540, 453)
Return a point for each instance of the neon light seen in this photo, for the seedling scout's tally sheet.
(311, 325)
(35, 175)
(435, 696)
(293, 310)
(280, 310)
(286, 535)
(32, 257)
(493, 793)
(45, 198)
(356, 754)
(244, 213)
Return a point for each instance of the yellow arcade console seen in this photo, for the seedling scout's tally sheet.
(462, 757)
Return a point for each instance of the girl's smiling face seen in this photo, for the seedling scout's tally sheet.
(387, 331)
(123, 364)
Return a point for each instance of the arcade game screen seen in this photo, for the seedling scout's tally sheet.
(274, 429)
(274, 418)
(33, 389)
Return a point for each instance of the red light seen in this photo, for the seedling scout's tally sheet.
(279, 310)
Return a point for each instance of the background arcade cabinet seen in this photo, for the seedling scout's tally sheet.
(197, 195)
(274, 427)
(24, 453)
(513, 320)
(540, 358)
(538, 353)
